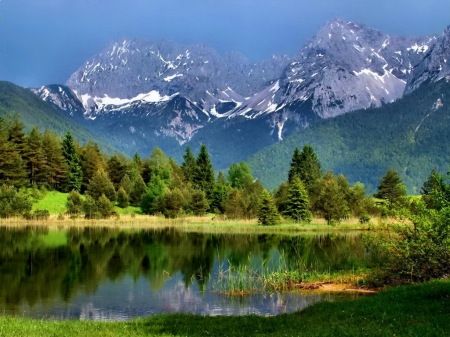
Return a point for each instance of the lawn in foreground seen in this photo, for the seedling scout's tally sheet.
(419, 310)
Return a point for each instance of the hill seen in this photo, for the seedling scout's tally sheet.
(409, 135)
(35, 112)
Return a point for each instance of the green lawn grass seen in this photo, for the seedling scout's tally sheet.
(54, 202)
(418, 310)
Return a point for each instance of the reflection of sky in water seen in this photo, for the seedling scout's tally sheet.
(128, 298)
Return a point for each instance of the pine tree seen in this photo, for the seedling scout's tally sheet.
(391, 189)
(204, 178)
(55, 165)
(116, 170)
(12, 167)
(122, 198)
(297, 206)
(306, 166)
(74, 204)
(105, 207)
(137, 190)
(35, 155)
(91, 161)
(267, 211)
(189, 165)
(198, 203)
(101, 185)
(74, 174)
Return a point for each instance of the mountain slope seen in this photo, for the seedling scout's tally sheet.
(35, 112)
(409, 135)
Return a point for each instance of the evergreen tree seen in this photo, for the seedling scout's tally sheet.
(198, 203)
(91, 161)
(55, 165)
(138, 189)
(16, 135)
(435, 191)
(116, 170)
(12, 167)
(173, 201)
(101, 185)
(297, 206)
(220, 194)
(122, 198)
(35, 156)
(204, 178)
(281, 197)
(90, 208)
(126, 184)
(306, 166)
(267, 211)
(155, 190)
(74, 174)
(189, 165)
(391, 189)
(105, 207)
(74, 203)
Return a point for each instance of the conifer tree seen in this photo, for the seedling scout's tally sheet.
(220, 194)
(35, 155)
(116, 170)
(74, 203)
(189, 165)
(122, 198)
(74, 174)
(173, 201)
(297, 206)
(267, 211)
(101, 185)
(391, 189)
(16, 135)
(126, 184)
(306, 166)
(296, 163)
(137, 190)
(332, 203)
(55, 165)
(105, 207)
(12, 167)
(91, 161)
(204, 178)
(198, 203)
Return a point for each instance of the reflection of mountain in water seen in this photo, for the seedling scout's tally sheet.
(111, 274)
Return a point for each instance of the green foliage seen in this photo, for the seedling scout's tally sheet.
(353, 145)
(189, 165)
(204, 178)
(74, 203)
(417, 253)
(392, 190)
(238, 174)
(172, 202)
(116, 170)
(138, 189)
(154, 192)
(90, 208)
(219, 197)
(332, 204)
(435, 191)
(13, 202)
(74, 176)
(123, 200)
(39, 214)
(99, 185)
(267, 211)
(91, 161)
(105, 207)
(297, 206)
(198, 203)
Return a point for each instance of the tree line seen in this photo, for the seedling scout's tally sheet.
(158, 185)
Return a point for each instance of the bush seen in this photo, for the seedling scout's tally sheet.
(39, 214)
(13, 202)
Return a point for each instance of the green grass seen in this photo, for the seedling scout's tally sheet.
(418, 310)
(54, 202)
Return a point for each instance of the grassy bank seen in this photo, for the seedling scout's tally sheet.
(418, 310)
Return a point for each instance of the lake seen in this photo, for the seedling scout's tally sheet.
(114, 274)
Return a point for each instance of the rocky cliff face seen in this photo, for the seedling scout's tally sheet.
(164, 90)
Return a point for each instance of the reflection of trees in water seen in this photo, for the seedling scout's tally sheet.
(30, 272)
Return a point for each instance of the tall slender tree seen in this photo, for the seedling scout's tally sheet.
(189, 165)
(267, 211)
(204, 177)
(297, 206)
(55, 165)
(35, 155)
(74, 175)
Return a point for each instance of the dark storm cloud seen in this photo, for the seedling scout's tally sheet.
(44, 41)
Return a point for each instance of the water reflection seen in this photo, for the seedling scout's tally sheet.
(114, 274)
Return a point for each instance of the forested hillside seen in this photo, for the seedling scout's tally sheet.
(410, 135)
(35, 112)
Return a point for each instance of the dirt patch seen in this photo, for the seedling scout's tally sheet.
(334, 287)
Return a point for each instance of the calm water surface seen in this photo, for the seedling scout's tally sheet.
(104, 274)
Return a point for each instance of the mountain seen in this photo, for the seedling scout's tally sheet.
(142, 94)
(409, 135)
(35, 112)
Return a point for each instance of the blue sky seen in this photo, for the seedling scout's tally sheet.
(44, 41)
